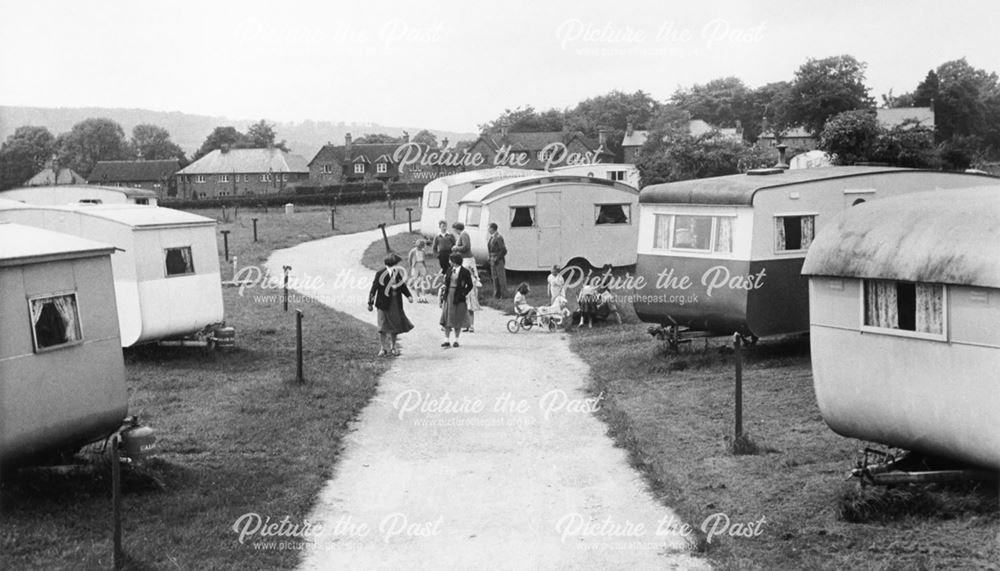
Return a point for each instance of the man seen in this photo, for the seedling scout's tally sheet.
(442, 245)
(463, 246)
(497, 250)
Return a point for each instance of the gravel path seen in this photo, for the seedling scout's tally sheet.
(485, 456)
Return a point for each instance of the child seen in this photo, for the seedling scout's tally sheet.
(587, 302)
(472, 302)
(418, 270)
(606, 303)
(521, 306)
(556, 284)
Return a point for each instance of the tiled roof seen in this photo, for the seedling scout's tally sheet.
(534, 142)
(247, 161)
(793, 133)
(367, 152)
(635, 139)
(48, 177)
(134, 171)
(897, 115)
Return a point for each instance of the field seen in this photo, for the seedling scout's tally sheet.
(236, 433)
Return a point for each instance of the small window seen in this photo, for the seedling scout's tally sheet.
(144, 201)
(179, 260)
(434, 199)
(904, 307)
(55, 321)
(472, 215)
(91, 201)
(793, 233)
(381, 168)
(522, 216)
(199, 178)
(616, 175)
(692, 233)
(613, 213)
(359, 168)
(223, 178)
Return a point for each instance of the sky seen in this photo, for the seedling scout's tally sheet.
(453, 64)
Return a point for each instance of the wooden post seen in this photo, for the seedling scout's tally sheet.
(286, 270)
(333, 218)
(409, 218)
(254, 229)
(116, 503)
(385, 238)
(298, 347)
(225, 242)
(738, 353)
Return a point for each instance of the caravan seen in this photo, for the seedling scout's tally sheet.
(441, 196)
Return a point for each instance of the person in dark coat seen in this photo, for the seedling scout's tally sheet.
(454, 310)
(387, 293)
(497, 249)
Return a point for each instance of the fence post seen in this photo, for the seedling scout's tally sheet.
(738, 353)
(333, 218)
(116, 503)
(254, 229)
(286, 270)
(225, 242)
(298, 347)
(385, 238)
(409, 218)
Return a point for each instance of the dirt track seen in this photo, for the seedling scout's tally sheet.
(485, 456)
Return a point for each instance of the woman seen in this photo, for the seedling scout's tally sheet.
(472, 301)
(454, 310)
(418, 270)
(387, 293)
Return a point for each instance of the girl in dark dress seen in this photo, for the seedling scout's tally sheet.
(387, 293)
(454, 310)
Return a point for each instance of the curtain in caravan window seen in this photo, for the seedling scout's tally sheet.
(779, 234)
(661, 231)
(881, 305)
(66, 304)
(930, 308)
(808, 228)
(724, 235)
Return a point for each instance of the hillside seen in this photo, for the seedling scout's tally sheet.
(189, 131)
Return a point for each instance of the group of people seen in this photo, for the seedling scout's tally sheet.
(458, 292)
(593, 301)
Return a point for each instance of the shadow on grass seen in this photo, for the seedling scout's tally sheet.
(878, 504)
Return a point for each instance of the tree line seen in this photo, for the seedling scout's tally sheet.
(30, 148)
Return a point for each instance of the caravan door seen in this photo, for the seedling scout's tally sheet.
(549, 215)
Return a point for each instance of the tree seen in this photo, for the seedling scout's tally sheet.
(24, 154)
(966, 101)
(824, 87)
(767, 110)
(612, 113)
(721, 102)
(908, 144)
(152, 142)
(526, 120)
(92, 140)
(850, 136)
(261, 135)
(379, 138)
(222, 137)
(425, 137)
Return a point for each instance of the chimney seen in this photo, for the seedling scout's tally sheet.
(444, 143)
(224, 148)
(629, 129)
(347, 145)
(406, 137)
(781, 156)
(503, 131)
(602, 137)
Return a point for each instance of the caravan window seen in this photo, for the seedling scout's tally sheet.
(472, 215)
(55, 321)
(522, 216)
(178, 261)
(613, 213)
(434, 199)
(694, 233)
(904, 307)
(616, 175)
(793, 233)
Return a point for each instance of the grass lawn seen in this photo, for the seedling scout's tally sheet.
(674, 413)
(236, 433)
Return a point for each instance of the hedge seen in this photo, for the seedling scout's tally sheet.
(359, 193)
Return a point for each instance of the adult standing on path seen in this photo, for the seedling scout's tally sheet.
(463, 247)
(442, 245)
(387, 292)
(454, 311)
(497, 249)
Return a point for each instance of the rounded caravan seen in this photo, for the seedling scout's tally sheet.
(622, 172)
(723, 255)
(550, 219)
(441, 195)
(166, 269)
(904, 295)
(80, 194)
(62, 377)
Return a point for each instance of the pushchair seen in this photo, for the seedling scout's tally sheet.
(549, 316)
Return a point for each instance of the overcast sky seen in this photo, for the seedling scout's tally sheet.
(453, 64)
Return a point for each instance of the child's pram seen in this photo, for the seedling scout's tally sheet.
(548, 316)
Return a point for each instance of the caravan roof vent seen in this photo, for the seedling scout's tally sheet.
(765, 171)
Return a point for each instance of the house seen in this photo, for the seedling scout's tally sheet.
(54, 174)
(539, 150)
(904, 298)
(795, 138)
(62, 376)
(894, 116)
(634, 139)
(358, 162)
(155, 175)
(241, 172)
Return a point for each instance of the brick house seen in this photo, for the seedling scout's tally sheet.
(368, 162)
(155, 175)
(241, 172)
